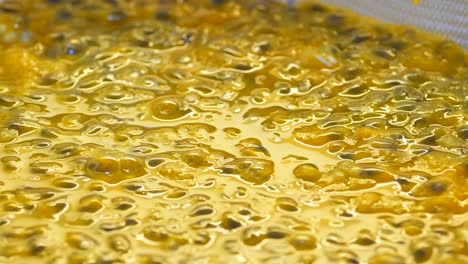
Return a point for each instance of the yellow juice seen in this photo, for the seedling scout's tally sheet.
(228, 132)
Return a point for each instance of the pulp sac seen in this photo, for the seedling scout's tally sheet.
(228, 132)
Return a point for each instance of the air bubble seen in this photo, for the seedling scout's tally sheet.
(256, 171)
(155, 234)
(158, 131)
(303, 242)
(169, 108)
(119, 242)
(232, 132)
(307, 172)
(287, 205)
(229, 223)
(65, 184)
(114, 170)
(253, 236)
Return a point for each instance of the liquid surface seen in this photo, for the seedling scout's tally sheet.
(228, 132)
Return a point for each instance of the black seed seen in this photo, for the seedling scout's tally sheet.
(92, 6)
(162, 15)
(264, 47)
(203, 212)
(418, 78)
(108, 229)
(429, 140)
(67, 151)
(116, 16)
(6, 103)
(422, 254)
(14, 126)
(227, 171)
(46, 195)
(351, 73)
(365, 241)
(111, 2)
(187, 38)
(9, 9)
(72, 50)
(48, 133)
(334, 20)
(383, 54)
(58, 37)
(346, 214)
(67, 185)
(402, 181)
(123, 206)
(463, 134)
(360, 39)
(334, 136)
(63, 15)
(155, 162)
(218, 2)
(348, 156)
(276, 235)
(142, 43)
(54, 51)
(36, 97)
(133, 187)
(242, 67)
(230, 224)
(263, 150)
(131, 222)
(37, 249)
(368, 173)
(318, 8)
(285, 91)
(438, 187)
(244, 212)
(396, 45)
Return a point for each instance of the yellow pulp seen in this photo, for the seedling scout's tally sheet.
(228, 132)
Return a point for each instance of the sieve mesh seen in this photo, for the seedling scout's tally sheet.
(446, 17)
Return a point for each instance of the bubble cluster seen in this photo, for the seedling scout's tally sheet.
(228, 131)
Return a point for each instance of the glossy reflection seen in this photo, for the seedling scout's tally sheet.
(228, 132)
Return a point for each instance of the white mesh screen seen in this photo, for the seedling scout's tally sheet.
(446, 17)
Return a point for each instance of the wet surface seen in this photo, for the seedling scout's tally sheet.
(228, 131)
